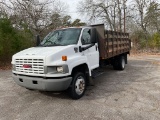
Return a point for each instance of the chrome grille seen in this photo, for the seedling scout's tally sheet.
(37, 66)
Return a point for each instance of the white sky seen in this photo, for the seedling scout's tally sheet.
(72, 10)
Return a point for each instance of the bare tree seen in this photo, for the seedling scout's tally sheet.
(138, 8)
(153, 17)
(36, 14)
(109, 12)
(95, 9)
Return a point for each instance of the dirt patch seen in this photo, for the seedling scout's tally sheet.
(144, 52)
(5, 66)
(156, 62)
(153, 58)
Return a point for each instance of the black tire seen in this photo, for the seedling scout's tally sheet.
(119, 63)
(122, 63)
(77, 89)
(115, 64)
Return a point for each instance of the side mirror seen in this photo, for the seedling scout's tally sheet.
(93, 35)
(38, 41)
(80, 49)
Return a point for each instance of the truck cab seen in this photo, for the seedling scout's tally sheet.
(63, 60)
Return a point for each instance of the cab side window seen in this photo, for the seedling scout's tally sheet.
(86, 36)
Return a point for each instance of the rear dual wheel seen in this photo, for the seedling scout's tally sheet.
(119, 63)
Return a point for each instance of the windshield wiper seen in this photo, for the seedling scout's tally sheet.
(53, 45)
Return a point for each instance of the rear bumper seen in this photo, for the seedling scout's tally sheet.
(42, 83)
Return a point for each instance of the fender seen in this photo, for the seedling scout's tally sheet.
(76, 61)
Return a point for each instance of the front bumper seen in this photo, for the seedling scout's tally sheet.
(44, 84)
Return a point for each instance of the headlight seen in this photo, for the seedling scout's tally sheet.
(60, 69)
(57, 69)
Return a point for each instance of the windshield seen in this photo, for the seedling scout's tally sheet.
(62, 37)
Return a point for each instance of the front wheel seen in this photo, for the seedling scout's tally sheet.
(78, 86)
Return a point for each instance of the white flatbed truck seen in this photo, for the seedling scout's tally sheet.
(66, 59)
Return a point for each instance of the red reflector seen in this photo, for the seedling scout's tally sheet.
(27, 66)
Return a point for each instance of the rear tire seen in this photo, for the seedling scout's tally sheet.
(119, 63)
(115, 64)
(78, 86)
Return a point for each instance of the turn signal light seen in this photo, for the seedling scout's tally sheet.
(64, 58)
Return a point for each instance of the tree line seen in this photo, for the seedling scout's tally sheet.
(141, 18)
(22, 20)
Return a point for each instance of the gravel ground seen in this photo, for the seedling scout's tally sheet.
(132, 94)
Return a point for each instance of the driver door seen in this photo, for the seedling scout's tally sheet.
(91, 53)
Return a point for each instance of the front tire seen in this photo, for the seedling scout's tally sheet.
(78, 86)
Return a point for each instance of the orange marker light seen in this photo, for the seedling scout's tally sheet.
(64, 58)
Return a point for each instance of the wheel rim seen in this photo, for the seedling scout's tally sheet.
(123, 63)
(80, 85)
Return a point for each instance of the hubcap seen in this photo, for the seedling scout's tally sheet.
(80, 85)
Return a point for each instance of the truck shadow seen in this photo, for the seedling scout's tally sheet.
(60, 95)
(111, 81)
(115, 82)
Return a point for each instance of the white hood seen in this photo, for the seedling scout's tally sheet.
(51, 53)
(40, 51)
